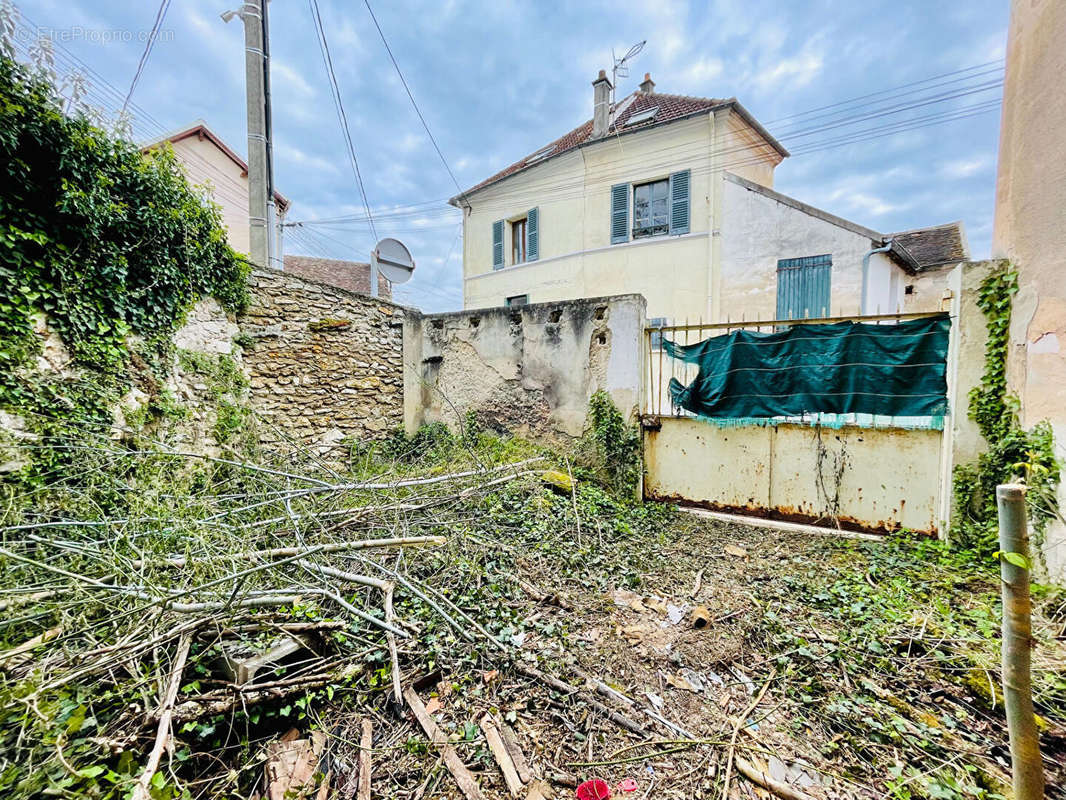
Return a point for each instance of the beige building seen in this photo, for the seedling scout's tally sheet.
(672, 197)
(209, 161)
(1030, 224)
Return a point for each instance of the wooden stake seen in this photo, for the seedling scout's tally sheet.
(1026, 766)
(366, 744)
(166, 711)
(463, 777)
(502, 756)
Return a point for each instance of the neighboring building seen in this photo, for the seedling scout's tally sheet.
(209, 161)
(351, 275)
(1030, 225)
(672, 197)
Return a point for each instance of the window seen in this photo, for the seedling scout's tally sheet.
(651, 214)
(657, 323)
(537, 156)
(518, 241)
(642, 116)
(517, 300)
(525, 239)
(803, 286)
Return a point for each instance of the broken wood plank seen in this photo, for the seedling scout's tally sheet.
(503, 758)
(525, 774)
(463, 776)
(366, 744)
(290, 769)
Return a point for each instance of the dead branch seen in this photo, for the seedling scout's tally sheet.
(501, 754)
(760, 778)
(166, 713)
(397, 689)
(287, 552)
(621, 720)
(730, 753)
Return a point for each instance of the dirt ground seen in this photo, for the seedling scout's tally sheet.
(769, 683)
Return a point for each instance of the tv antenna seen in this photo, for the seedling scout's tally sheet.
(621, 65)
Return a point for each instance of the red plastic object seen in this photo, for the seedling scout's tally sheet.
(627, 785)
(593, 790)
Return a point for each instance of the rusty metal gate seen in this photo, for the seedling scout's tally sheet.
(855, 471)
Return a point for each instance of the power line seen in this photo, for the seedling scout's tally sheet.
(327, 61)
(159, 17)
(995, 63)
(407, 88)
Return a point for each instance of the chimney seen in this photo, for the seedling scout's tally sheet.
(647, 86)
(601, 109)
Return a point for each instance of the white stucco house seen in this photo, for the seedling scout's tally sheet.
(672, 197)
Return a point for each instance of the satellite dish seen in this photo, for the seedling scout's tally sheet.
(393, 260)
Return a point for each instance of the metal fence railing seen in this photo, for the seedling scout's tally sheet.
(660, 369)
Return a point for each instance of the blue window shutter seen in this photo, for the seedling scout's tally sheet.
(803, 287)
(497, 244)
(619, 213)
(533, 235)
(679, 201)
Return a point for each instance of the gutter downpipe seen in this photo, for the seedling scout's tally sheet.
(866, 272)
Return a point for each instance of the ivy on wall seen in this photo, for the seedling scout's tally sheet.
(1013, 453)
(111, 245)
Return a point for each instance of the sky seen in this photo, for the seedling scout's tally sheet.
(497, 80)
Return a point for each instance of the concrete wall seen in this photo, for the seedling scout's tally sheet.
(889, 478)
(529, 370)
(323, 363)
(1029, 224)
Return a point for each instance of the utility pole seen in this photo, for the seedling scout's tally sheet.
(274, 256)
(252, 14)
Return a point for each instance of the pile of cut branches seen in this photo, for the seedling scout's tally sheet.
(152, 592)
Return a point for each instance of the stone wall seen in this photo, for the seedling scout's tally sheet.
(324, 364)
(529, 370)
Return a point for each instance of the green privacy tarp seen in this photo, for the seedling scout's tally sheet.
(835, 368)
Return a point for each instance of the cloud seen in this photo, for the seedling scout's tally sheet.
(287, 78)
(302, 159)
(797, 71)
(967, 167)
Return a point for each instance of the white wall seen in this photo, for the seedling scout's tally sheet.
(757, 230)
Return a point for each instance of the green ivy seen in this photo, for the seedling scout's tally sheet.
(612, 446)
(1012, 452)
(111, 245)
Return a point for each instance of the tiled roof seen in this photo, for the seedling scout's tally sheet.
(353, 276)
(672, 107)
(935, 246)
